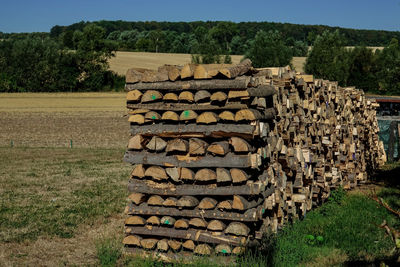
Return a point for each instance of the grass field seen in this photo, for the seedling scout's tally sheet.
(63, 206)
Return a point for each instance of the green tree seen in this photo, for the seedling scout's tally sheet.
(362, 67)
(389, 68)
(328, 59)
(299, 49)
(269, 50)
(223, 34)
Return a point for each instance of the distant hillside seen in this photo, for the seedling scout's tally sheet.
(245, 30)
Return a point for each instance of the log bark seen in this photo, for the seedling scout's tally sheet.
(185, 106)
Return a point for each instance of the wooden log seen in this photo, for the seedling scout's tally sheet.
(155, 201)
(149, 243)
(135, 75)
(181, 224)
(198, 223)
(136, 142)
(252, 114)
(139, 110)
(156, 172)
(162, 245)
(151, 96)
(238, 229)
(175, 245)
(203, 249)
(239, 145)
(187, 202)
(147, 187)
(189, 234)
(169, 97)
(208, 71)
(188, 115)
(205, 175)
(216, 130)
(137, 119)
(223, 249)
(153, 220)
(187, 71)
(201, 96)
(238, 175)
(168, 221)
(137, 198)
(138, 171)
(170, 116)
(207, 203)
(152, 116)
(186, 96)
(187, 174)
(135, 220)
(132, 240)
(144, 209)
(216, 225)
(227, 116)
(185, 106)
(218, 97)
(170, 202)
(219, 148)
(236, 70)
(156, 144)
(197, 147)
(177, 145)
(223, 175)
(174, 72)
(134, 96)
(238, 250)
(189, 245)
(214, 84)
(240, 203)
(260, 91)
(161, 159)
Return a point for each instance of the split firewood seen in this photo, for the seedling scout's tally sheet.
(198, 223)
(236, 70)
(187, 202)
(189, 245)
(153, 220)
(175, 245)
(203, 249)
(137, 198)
(238, 250)
(239, 145)
(216, 225)
(197, 147)
(207, 118)
(139, 111)
(219, 148)
(187, 174)
(136, 142)
(170, 202)
(162, 245)
(238, 175)
(174, 173)
(218, 97)
(137, 119)
(168, 220)
(156, 144)
(202, 96)
(188, 115)
(227, 116)
(240, 203)
(225, 205)
(223, 175)
(132, 240)
(151, 96)
(237, 228)
(170, 97)
(177, 145)
(170, 116)
(138, 171)
(134, 96)
(205, 175)
(149, 243)
(152, 116)
(223, 249)
(156, 172)
(208, 71)
(135, 220)
(207, 203)
(186, 96)
(187, 71)
(181, 224)
(155, 200)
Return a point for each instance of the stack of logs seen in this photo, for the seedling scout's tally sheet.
(224, 153)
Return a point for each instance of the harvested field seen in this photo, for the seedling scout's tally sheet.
(52, 120)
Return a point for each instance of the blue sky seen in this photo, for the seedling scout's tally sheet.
(41, 15)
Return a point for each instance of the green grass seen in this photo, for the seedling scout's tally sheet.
(50, 192)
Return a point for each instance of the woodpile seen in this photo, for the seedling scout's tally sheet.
(224, 153)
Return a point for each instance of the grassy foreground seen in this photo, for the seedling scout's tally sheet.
(61, 206)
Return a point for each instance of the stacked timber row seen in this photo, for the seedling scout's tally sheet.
(223, 153)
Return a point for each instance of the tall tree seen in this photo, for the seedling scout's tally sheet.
(389, 68)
